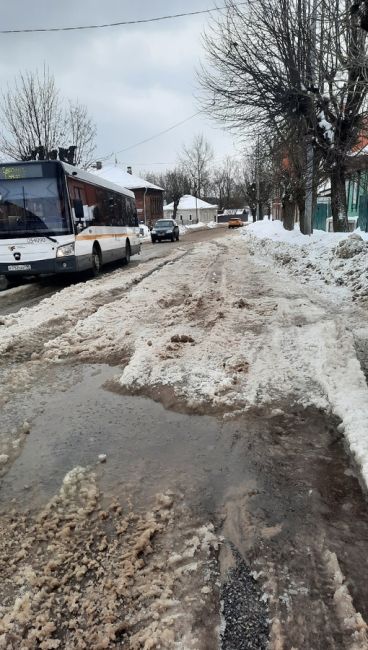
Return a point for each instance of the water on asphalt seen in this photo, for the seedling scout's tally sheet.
(277, 484)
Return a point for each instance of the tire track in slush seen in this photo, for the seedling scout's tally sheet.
(25, 341)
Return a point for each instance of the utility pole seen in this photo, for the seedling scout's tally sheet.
(195, 189)
(257, 180)
(310, 169)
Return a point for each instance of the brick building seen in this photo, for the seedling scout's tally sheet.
(148, 197)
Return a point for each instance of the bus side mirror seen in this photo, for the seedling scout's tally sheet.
(78, 210)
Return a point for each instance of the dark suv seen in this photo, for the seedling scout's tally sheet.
(165, 229)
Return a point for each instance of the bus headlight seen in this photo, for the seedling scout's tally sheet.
(64, 251)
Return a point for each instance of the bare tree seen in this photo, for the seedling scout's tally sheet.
(223, 183)
(175, 182)
(82, 133)
(36, 124)
(195, 160)
(251, 87)
(177, 185)
(32, 116)
(154, 177)
(257, 163)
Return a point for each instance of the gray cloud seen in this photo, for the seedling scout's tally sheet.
(136, 80)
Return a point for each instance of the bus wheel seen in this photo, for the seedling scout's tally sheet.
(4, 282)
(126, 258)
(96, 262)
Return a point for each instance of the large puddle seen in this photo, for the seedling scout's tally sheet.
(276, 483)
(147, 448)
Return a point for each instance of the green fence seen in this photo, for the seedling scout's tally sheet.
(363, 213)
(323, 211)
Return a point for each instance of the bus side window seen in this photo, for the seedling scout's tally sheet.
(110, 209)
(118, 212)
(101, 209)
(97, 217)
(125, 220)
(130, 212)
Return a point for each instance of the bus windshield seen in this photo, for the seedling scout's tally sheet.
(32, 206)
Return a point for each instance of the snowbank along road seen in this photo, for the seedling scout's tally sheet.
(183, 458)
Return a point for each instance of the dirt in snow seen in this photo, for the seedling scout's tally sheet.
(259, 528)
(85, 573)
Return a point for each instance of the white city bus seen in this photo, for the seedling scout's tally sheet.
(55, 218)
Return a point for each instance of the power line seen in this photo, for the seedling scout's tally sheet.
(152, 137)
(118, 24)
(140, 164)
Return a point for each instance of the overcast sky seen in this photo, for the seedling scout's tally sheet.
(136, 80)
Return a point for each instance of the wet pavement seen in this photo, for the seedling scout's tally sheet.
(246, 531)
(29, 292)
(277, 485)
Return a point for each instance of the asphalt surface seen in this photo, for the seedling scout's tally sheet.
(276, 482)
(27, 292)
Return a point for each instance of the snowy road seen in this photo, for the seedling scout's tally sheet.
(173, 464)
(26, 293)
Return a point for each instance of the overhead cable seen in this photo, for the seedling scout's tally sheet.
(120, 23)
(152, 137)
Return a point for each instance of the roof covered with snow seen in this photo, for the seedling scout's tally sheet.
(189, 202)
(119, 176)
(90, 177)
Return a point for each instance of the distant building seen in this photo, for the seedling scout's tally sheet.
(192, 210)
(242, 213)
(148, 197)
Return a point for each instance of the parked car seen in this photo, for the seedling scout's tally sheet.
(165, 229)
(235, 222)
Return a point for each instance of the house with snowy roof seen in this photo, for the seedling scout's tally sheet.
(192, 210)
(148, 197)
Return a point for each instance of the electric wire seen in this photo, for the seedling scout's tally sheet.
(120, 23)
(152, 137)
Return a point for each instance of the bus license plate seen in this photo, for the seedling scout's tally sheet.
(19, 267)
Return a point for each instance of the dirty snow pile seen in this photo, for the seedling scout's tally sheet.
(63, 309)
(196, 226)
(331, 258)
(213, 330)
(84, 574)
(218, 331)
(173, 337)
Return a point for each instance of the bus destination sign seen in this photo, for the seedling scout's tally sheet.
(20, 172)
